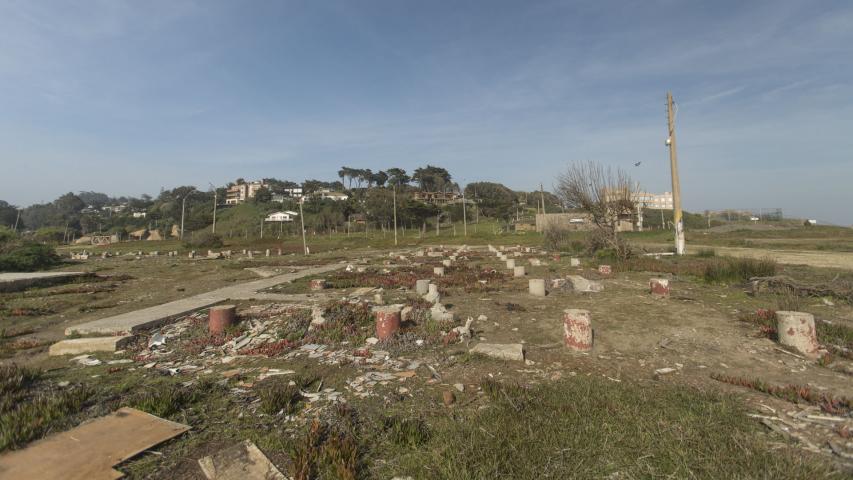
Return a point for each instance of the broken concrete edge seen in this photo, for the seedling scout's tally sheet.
(73, 346)
(17, 285)
(142, 327)
(501, 351)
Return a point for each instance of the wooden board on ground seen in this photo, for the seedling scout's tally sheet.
(89, 451)
(243, 461)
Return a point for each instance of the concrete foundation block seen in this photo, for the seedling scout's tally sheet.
(511, 351)
(577, 329)
(580, 284)
(518, 271)
(797, 330)
(659, 287)
(387, 321)
(510, 264)
(605, 269)
(575, 262)
(76, 346)
(422, 287)
(438, 271)
(536, 287)
(220, 318)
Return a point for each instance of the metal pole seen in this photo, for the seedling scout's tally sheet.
(676, 185)
(464, 214)
(183, 210)
(395, 215)
(16, 221)
(214, 210)
(302, 219)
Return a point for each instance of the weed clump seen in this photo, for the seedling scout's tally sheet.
(279, 396)
(792, 393)
(723, 270)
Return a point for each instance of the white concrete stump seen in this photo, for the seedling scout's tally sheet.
(510, 264)
(577, 329)
(438, 271)
(421, 287)
(537, 287)
(575, 262)
(518, 271)
(447, 263)
(796, 329)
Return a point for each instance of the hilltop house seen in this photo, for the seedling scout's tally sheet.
(241, 192)
(285, 216)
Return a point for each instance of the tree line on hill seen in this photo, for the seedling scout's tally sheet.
(371, 200)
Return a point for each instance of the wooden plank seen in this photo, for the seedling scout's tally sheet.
(243, 461)
(89, 451)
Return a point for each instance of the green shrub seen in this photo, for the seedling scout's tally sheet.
(204, 240)
(26, 256)
(706, 253)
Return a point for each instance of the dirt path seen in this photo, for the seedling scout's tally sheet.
(795, 257)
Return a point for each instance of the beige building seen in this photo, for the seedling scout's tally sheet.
(653, 201)
(241, 192)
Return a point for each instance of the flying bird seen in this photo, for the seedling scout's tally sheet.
(638, 164)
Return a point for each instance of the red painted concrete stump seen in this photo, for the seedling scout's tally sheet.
(659, 287)
(577, 329)
(220, 318)
(387, 321)
(318, 284)
(796, 329)
(605, 269)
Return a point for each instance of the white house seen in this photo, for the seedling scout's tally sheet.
(285, 216)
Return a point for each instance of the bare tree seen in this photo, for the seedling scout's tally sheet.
(602, 192)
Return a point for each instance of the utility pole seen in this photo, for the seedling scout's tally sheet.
(302, 219)
(183, 211)
(676, 185)
(395, 215)
(214, 208)
(16, 221)
(542, 198)
(464, 214)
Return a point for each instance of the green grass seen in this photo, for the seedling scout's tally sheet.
(592, 428)
(733, 270)
(27, 413)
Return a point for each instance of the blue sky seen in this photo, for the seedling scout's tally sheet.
(126, 97)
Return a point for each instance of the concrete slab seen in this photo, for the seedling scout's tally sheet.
(13, 282)
(161, 314)
(243, 461)
(509, 351)
(76, 346)
(90, 450)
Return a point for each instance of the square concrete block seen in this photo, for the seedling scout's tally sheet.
(76, 346)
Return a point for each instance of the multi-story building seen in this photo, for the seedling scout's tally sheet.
(243, 191)
(653, 201)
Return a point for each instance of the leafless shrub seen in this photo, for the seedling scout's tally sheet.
(606, 194)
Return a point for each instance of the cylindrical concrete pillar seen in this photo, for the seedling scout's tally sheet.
(659, 287)
(432, 288)
(605, 269)
(317, 284)
(421, 287)
(577, 329)
(438, 271)
(518, 271)
(510, 264)
(221, 317)
(537, 287)
(378, 299)
(575, 262)
(387, 321)
(796, 329)
(447, 263)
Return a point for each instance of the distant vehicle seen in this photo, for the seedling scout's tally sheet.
(754, 219)
(577, 220)
(811, 222)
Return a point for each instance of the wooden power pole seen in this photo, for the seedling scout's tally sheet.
(676, 185)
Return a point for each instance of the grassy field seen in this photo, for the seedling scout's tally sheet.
(606, 414)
